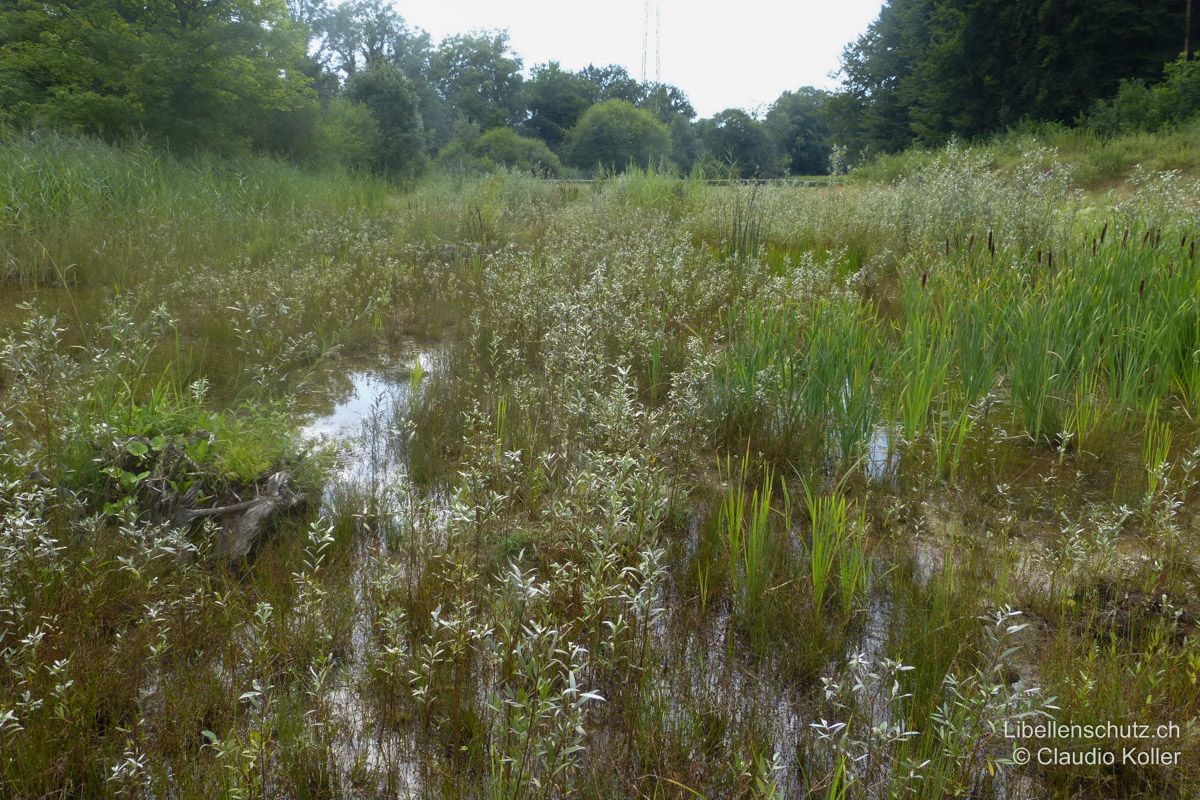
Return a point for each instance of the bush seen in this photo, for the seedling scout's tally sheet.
(615, 135)
(505, 147)
(1138, 107)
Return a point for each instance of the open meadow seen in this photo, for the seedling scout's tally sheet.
(643, 487)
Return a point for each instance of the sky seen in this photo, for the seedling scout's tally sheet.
(722, 54)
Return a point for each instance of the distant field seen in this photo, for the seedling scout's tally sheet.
(640, 487)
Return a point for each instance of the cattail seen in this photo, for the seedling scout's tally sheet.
(947, 246)
(1183, 240)
(1145, 238)
(1141, 287)
(1093, 246)
(1039, 255)
(991, 245)
(1103, 231)
(924, 277)
(1125, 238)
(1050, 260)
(1192, 251)
(971, 243)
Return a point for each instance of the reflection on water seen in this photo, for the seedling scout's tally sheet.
(883, 457)
(370, 394)
(360, 407)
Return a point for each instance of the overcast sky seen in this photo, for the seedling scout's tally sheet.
(723, 54)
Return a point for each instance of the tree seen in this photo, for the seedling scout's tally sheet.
(556, 99)
(198, 74)
(71, 67)
(388, 95)
(741, 143)
(666, 102)
(931, 69)
(612, 83)
(799, 129)
(360, 34)
(615, 134)
(686, 146)
(480, 78)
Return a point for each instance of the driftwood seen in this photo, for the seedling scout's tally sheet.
(242, 524)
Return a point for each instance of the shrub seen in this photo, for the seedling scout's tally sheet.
(615, 135)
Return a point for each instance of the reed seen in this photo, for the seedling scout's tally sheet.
(837, 556)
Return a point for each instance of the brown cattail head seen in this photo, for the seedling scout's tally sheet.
(1125, 238)
(991, 244)
(924, 277)
(947, 245)
(1093, 245)
(1039, 255)
(971, 243)
(1145, 238)
(1050, 259)
(1141, 287)
(1103, 231)
(1192, 250)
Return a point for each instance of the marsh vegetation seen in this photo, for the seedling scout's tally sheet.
(652, 488)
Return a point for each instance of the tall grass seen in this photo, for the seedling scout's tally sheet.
(83, 213)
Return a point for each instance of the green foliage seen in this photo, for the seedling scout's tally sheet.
(196, 76)
(556, 595)
(556, 99)
(504, 147)
(614, 135)
(838, 565)
(480, 77)
(1138, 107)
(386, 92)
(927, 70)
(799, 127)
(746, 526)
(740, 144)
(347, 134)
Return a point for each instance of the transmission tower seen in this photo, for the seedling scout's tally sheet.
(645, 35)
(657, 40)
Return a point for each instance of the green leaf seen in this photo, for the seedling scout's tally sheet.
(136, 447)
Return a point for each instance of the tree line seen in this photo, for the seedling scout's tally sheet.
(354, 84)
(929, 70)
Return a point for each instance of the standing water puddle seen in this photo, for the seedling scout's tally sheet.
(370, 401)
(883, 457)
